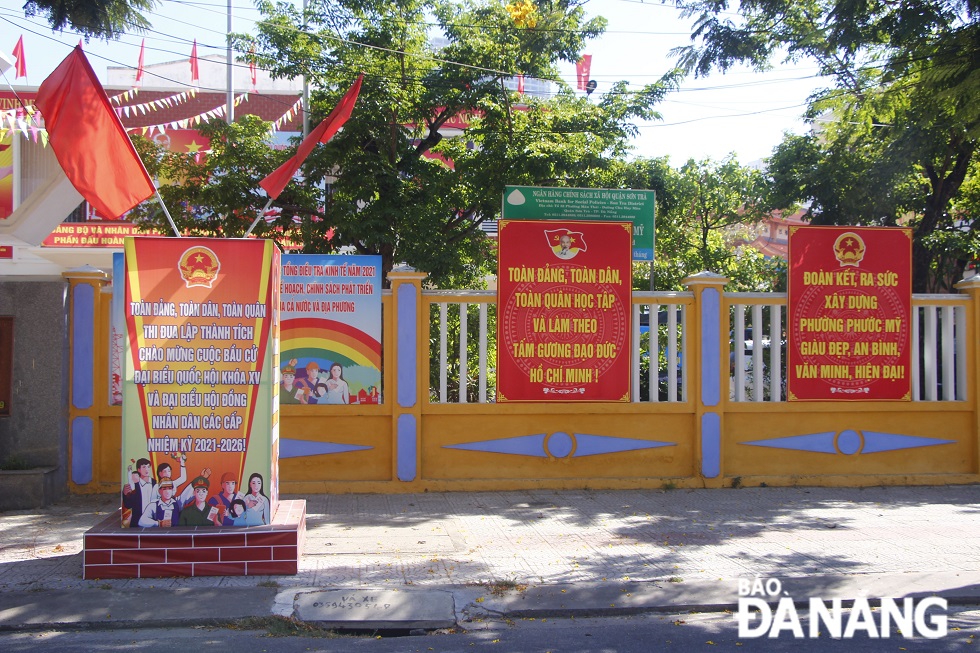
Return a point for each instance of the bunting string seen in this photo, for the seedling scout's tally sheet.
(125, 96)
(193, 121)
(155, 105)
(287, 117)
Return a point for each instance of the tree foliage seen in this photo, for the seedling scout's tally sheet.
(395, 194)
(107, 19)
(895, 138)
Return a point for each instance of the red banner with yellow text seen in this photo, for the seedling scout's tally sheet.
(564, 293)
(850, 313)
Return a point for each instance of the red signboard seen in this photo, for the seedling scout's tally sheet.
(6, 251)
(850, 311)
(91, 234)
(564, 293)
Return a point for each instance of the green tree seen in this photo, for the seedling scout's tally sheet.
(394, 193)
(898, 133)
(704, 209)
(107, 19)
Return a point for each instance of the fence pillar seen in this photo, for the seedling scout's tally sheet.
(86, 354)
(971, 287)
(406, 295)
(709, 335)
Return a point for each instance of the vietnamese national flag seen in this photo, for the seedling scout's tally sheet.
(520, 84)
(21, 65)
(88, 139)
(195, 73)
(139, 66)
(275, 182)
(582, 69)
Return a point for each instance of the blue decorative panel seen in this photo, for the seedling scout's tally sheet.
(82, 343)
(290, 448)
(406, 450)
(407, 343)
(710, 347)
(711, 445)
(592, 445)
(522, 445)
(559, 445)
(813, 442)
(848, 442)
(81, 450)
(876, 442)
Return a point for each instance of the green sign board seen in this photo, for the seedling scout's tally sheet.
(615, 205)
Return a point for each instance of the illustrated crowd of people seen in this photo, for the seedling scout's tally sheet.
(154, 502)
(319, 387)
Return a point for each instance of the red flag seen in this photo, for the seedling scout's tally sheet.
(520, 84)
(195, 74)
(88, 139)
(251, 67)
(582, 69)
(21, 66)
(275, 182)
(139, 66)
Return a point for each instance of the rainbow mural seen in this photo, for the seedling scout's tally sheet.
(331, 317)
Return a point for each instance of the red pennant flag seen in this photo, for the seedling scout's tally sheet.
(89, 141)
(251, 67)
(582, 69)
(139, 66)
(21, 66)
(195, 73)
(275, 182)
(520, 84)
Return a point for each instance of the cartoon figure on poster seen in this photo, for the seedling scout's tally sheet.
(565, 244)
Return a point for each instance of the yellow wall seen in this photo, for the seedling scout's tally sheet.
(439, 427)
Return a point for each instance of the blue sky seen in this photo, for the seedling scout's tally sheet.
(741, 112)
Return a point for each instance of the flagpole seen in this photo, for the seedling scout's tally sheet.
(259, 216)
(167, 213)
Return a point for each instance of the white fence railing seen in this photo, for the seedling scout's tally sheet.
(463, 346)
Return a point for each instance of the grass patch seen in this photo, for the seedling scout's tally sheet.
(15, 463)
(278, 626)
(675, 579)
(501, 587)
(269, 583)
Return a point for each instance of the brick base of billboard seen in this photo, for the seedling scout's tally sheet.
(110, 551)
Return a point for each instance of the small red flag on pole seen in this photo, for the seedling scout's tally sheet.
(582, 69)
(139, 66)
(195, 73)
(275, 182)
(21, 66)
(89, 141)
(520, 84)
(252, 69)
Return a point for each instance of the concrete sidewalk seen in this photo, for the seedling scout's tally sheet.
(451, 557)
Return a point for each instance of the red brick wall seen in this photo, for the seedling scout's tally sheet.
(111, 551)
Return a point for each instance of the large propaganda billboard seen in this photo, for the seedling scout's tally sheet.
(564, 294)
(850, 312)
(331, 329)
(200, 408)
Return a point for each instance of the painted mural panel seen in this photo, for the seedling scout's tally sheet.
(850, 313)
(564, 295)
(331, 329)
(200, 408)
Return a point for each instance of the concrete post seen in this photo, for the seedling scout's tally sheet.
(707, 367)
(85, 388)
(406, 294)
